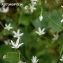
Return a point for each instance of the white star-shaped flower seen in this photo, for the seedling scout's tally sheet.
(61, 58)
(8, 27)
(16, 45)
(62, 21)
(40, 32)
(55, 36)
(32, 8)
(40, 17)
(17, 34)
(34, 59)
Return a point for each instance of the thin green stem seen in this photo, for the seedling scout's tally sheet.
(1, 24)
(19, 55)
(60, 54)
(22, 56)
(52, 21)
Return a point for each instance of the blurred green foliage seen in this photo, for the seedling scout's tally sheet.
(43, 47)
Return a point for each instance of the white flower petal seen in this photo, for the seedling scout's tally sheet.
(12, 43)
(17, 41)
(40, 17)
(20, 44)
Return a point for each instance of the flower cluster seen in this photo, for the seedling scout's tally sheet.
(16, 44)
(17, 35)
(31, 7)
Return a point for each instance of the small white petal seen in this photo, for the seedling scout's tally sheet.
(61, 6)
(21, 34)
(40, 17)
(8, 27)
(17, 41)
(12, 43)
(20, 44)
(14, 32)
(62, 21)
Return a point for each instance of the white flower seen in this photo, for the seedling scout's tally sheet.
(40, 17)
(32, 8)
(40, 32)
(4, 57)
(34, 59)
(62, 15)
(21, 62)
(26, 9)
(7, 42)
(61, 6)
(62, 21)
(55, 36)
(4, 10)
(8, 27)
(16, 45)
(17, 34)
(61, 58)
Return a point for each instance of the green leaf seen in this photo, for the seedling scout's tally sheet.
(13, 57)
